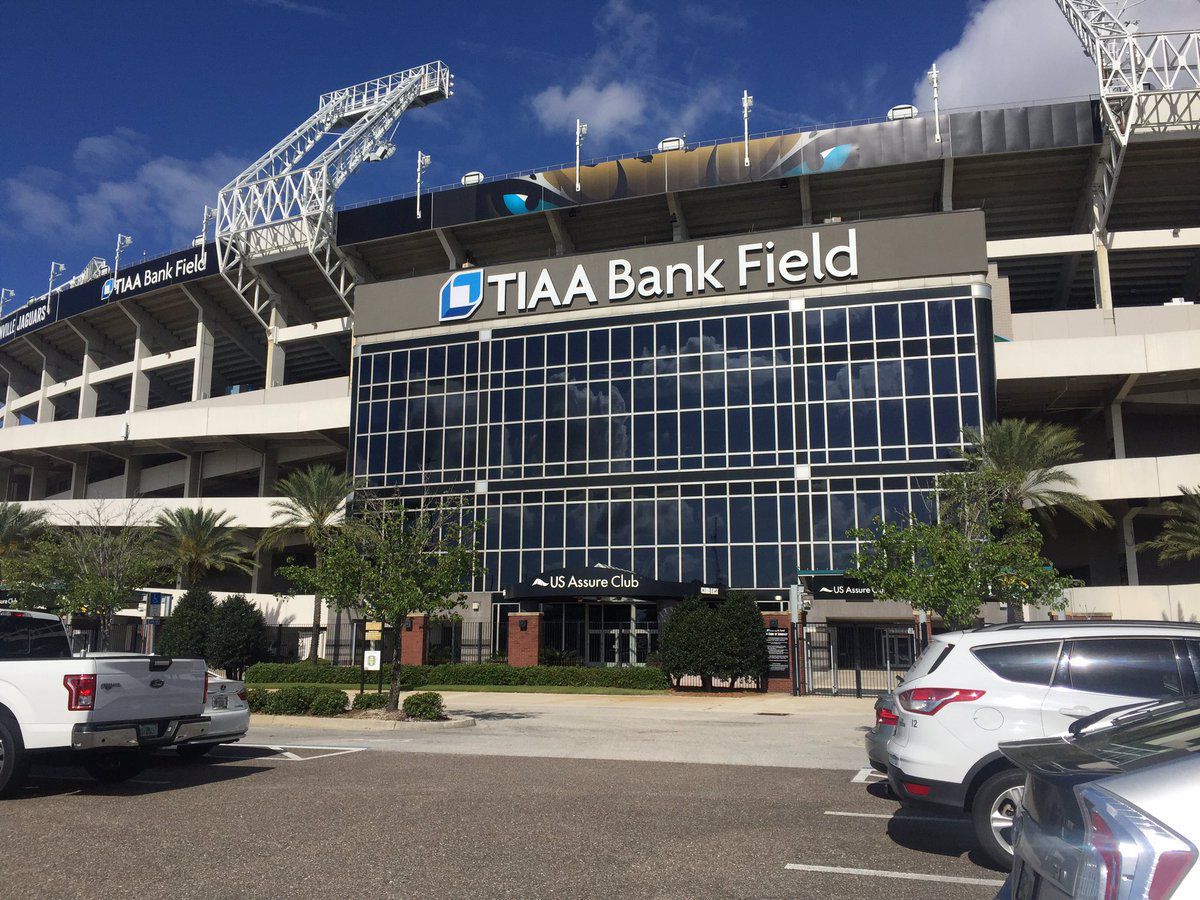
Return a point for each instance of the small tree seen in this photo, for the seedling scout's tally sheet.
(688, 644)
(19, 529)
(236, 635)
(196, 540)
(982, 547)
(742, 638)
(391, 560)
(97, 563)
(185, 633)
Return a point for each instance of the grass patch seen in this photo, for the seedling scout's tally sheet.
(539, 689)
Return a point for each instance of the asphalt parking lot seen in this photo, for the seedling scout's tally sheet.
(352, 819)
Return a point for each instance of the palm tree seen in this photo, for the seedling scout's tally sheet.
(1031, 456)
(197, 540)
(312, 503)
(18, 527)
(1180, 535)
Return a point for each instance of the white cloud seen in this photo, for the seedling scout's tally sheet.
(104, 153)
(613, 108)
(1016, 50)
(623, 91)
(159, 200)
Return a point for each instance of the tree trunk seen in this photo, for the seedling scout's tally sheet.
(394, 691)
(106, 624)
(1016, 611)
(316, 629)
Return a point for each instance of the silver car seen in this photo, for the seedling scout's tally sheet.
(228, 710)
(876, 738)
(1112, 809)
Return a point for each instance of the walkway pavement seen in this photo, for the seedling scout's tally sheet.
(753, 730)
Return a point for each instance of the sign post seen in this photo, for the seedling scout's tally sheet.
(794, 609)
(373, 631)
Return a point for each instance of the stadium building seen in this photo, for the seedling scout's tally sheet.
(668, 374)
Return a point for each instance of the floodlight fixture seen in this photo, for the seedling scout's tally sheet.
(56, 269)
(423, 161)
(580, 134)
(932, 75)
(747, 105)
(123, 241)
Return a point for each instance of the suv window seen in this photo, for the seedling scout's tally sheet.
(1128, 667)
(23, 637)
(1024, 663)
(931, 657)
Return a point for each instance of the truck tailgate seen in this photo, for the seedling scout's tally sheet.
(131, 688)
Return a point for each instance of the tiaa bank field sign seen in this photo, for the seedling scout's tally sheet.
(796, 258)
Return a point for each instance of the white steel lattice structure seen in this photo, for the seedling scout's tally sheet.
(1149, 83)
(282, 204)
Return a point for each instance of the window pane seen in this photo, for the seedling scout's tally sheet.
(1126, 667)
(1026, 663)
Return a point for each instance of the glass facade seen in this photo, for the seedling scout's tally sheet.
(733, 443)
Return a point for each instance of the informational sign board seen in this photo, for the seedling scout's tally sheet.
(372, 660)
(778, 653)
(839, 587)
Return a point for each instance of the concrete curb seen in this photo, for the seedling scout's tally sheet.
(340, 724)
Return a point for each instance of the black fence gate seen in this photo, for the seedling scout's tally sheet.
(856, 660)
(459, 642)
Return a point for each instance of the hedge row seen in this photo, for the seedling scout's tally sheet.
(298, 700)
(646, 678)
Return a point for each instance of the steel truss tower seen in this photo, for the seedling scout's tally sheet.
(282, 205)
(1149, 83)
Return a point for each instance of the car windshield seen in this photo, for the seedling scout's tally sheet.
(1168, 730)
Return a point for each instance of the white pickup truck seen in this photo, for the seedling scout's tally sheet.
(110, 709)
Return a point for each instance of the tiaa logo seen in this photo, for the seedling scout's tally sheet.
(107, 290)
(461, 295)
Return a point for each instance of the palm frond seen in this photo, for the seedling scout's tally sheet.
(1179, 538)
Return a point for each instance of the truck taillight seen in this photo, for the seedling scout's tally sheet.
(205, 685)
(885, 716)
(81, 692)
(1132, 855)
(927, 701)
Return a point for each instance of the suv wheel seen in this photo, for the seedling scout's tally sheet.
(113, 766)
(12, 756)
(994, 812)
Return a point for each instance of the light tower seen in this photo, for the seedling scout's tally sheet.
(580, 134)
(423, 161)
(747, 105)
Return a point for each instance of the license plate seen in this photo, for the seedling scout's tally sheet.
(148, 731)
(220, 702)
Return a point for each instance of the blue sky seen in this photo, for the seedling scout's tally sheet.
(128, 116)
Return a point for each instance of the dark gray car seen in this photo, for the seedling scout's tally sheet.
(876, 739)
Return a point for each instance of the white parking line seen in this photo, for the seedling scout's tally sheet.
(879, 873)
(867, 776)
(908, 817)
(285, 750)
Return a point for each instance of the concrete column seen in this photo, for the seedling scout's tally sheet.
(1130, 543)
(276, 354)
(264, 571)
(268, 472)
(45, 406)
(202, 369)
(132, 487)
(193, 475)
(414, 648)
(524, 638)
(139, 387)
(1100, 274)
(5, 483)
(89, 395)
(806, 211)
(37, 480)
(79, 477)
(11, 419)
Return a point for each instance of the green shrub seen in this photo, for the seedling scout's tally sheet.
(298, 700)
(425, 706)
(566, 676)
(551, 657)
(184, 633)
(743, 638)
(323, 673)
(691, 641)
(371, 701)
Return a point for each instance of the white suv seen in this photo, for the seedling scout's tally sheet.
(971, 690)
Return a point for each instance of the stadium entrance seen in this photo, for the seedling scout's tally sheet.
(600, 616)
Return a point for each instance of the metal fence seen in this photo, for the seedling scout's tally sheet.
(459, 642)
(856, 660)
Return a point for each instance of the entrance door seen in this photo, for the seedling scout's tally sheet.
(621, 634)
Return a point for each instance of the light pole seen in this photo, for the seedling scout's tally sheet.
(580, 134)
(56, 269)
(932, 75)
(209, 215)
(6, 294)
(123, 241)
(423, 161)
(747, 105)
